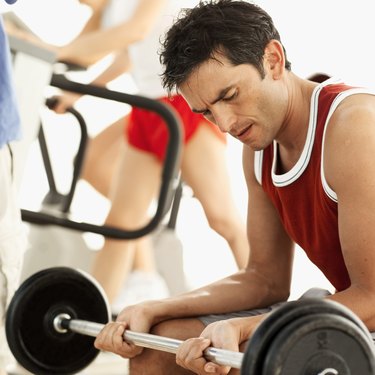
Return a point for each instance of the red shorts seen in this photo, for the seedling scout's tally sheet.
(147, 131)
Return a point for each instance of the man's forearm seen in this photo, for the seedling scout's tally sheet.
(244, 290)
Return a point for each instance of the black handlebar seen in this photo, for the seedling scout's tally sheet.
(169, 171)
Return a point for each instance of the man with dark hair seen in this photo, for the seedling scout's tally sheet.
(310, 172)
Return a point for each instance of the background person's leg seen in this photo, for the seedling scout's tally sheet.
(134, 188)
(103, 155)
(204, 169)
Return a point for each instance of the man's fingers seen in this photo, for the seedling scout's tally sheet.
(111, 338)
(190, 356)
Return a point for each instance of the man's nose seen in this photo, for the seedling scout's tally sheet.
(225, 120)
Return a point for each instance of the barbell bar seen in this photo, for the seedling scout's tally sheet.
(147, 340)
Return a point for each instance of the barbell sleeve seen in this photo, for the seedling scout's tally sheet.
(147, 340)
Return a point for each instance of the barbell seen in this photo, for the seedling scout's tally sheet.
(55, 314)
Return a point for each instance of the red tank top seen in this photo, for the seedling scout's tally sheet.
(306, 205)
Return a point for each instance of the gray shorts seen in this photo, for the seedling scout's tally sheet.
(208, 319)
(311, 293)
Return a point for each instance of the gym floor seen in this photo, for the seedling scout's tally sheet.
(104, 364)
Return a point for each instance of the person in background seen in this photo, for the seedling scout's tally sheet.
(12, 232)
(309, 165)
(124, 162)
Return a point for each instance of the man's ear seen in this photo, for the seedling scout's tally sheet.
(274, 59)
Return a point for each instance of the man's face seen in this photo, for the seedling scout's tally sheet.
(236, 99)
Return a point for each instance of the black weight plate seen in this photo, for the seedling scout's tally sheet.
(314, 343)
(32, 338)
(263, 336)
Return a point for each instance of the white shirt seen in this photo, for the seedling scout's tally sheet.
(144, 54)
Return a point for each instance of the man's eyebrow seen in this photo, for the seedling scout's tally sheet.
(221, 95)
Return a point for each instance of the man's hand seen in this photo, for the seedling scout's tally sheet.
(138, 318)
(222, 335)
(226, 334)
(62, 102)
(111, 339)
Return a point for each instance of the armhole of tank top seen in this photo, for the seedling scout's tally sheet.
(258, 164)
(328, 190)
